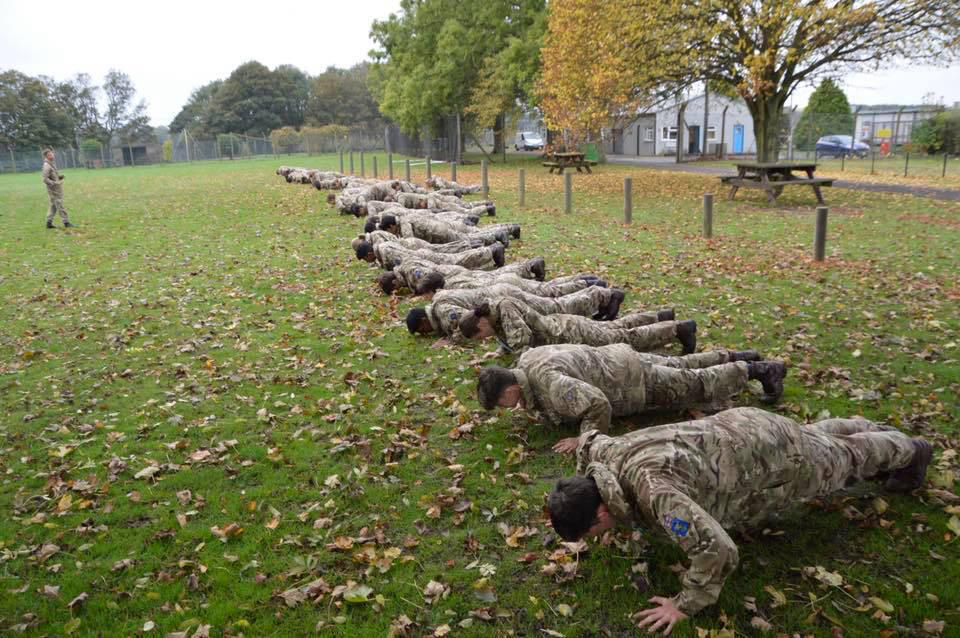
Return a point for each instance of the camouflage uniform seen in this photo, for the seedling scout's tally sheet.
(413, 243)
(450, 305)
(438, 183)
(584, 385)
(389, 254)
(438, 231)
(54, 185)
(518, 327)
(411, 271)
(731, 470)
(554, 288)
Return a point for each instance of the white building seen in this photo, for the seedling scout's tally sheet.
(890, 123)
(729, 125)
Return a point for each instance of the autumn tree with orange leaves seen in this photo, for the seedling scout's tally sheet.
(606, 59)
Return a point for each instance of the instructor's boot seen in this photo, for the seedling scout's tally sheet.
(498, 255)
(666, 314)
(50, 225)
(610, 311)
(770, 374)
(687, 335)
(912, 476)
(67, 225)
(539, 269)
(744, 355)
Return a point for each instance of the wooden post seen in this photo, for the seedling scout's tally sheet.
(408, 168)
(873, 162)
(906, 164)
(363, 165)
(453, 171)
(13, 160)
(627, 200)
(708, 216)
(429, 169)
(351, 162)
(944, 173)
(341, 161)
(376, 174)
(820, 234)
(483, 179)
(523, 187)
(568, 192)
(843, 157)
(390, 165)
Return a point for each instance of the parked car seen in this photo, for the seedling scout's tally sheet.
(528, 142)
(841, 146)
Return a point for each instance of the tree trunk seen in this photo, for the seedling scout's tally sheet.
(766, 111)
(498, 146)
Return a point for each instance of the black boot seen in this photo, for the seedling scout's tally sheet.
(666, 314)
(912, 476)
(491, 210)
(744, 355)
(67, 225)
(687, 335)
(599, 283)
(498, 255)
(515, 231)
(770, 374)
(610, 311)
(50, 225)
(539, 269)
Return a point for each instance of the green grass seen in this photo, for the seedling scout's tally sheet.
(211, 319)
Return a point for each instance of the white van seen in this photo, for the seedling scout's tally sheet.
(527, 141)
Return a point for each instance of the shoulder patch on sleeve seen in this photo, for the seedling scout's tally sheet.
(676, 526)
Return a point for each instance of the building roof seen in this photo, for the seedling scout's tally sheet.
(861, 109)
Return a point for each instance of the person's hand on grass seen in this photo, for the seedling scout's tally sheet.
(664, 616)
(567, 445)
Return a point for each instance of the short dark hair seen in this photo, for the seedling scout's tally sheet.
(414, 318)
(491, 382)
(363, 249)
(388, 282)
(431, 282)
(370, 224)
(387, 221)
(470, 323)
(573, 506)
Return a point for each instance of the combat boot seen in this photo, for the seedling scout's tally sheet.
(67, 225)
(50, 225)
(539, 269)
(744, 355)
(911, 477)
(687, 335)
(498, 255)
(610, 311)
(770, 374)
(666, 314)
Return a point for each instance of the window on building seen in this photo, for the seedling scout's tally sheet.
(648, 134)
(711, 132)
(668, 133)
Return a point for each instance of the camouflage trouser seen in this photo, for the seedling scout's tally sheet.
(453, 247)
(485, 235)
(854, 449)
(56, 206)
(522, 269)
(552, 288)
(643, 338)
(586, 302)
(475, 259)
(635, 319)
(690, 361)
(669, 387)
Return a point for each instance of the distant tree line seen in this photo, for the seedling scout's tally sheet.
(40, 111)
(254, 100)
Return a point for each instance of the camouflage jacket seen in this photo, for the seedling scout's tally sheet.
(52, 179)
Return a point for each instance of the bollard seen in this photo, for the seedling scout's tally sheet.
(429, 169)
(408, 168)
(627, 200)
(523, 187)
(843, 158)
(363, 166)
(708, 216)
(341, 161)
(351, 162)
(568, 192)
(820, 234)
(390, 165)
(483, 179)
(375, 172)
(873, 162)
(906, 164)
(453, 171)
(944, 173)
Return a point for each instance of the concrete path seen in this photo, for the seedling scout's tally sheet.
(668, 164)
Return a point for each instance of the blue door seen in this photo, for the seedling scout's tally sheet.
(738, 138)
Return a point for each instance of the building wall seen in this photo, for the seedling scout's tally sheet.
(737, 114)
(876, 126)
(640, 137)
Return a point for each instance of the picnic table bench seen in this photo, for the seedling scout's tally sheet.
(771, 177)
(559, 161)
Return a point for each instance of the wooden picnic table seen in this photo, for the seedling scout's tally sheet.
(560, 161)
(771, 177)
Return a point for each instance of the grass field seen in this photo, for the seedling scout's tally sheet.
(213, 422)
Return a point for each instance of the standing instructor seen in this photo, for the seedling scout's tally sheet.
(54, 182)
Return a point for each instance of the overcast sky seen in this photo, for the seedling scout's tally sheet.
(176, 46)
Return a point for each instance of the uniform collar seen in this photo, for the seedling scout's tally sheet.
(529, 400)
(610, 492)
(433, 322)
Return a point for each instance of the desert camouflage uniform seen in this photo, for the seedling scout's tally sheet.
(389, 254)
(54, 191)
(413, 243)
(518, 327)
(581, 385)
(448, 306)
(411, 271)
(732, 470)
